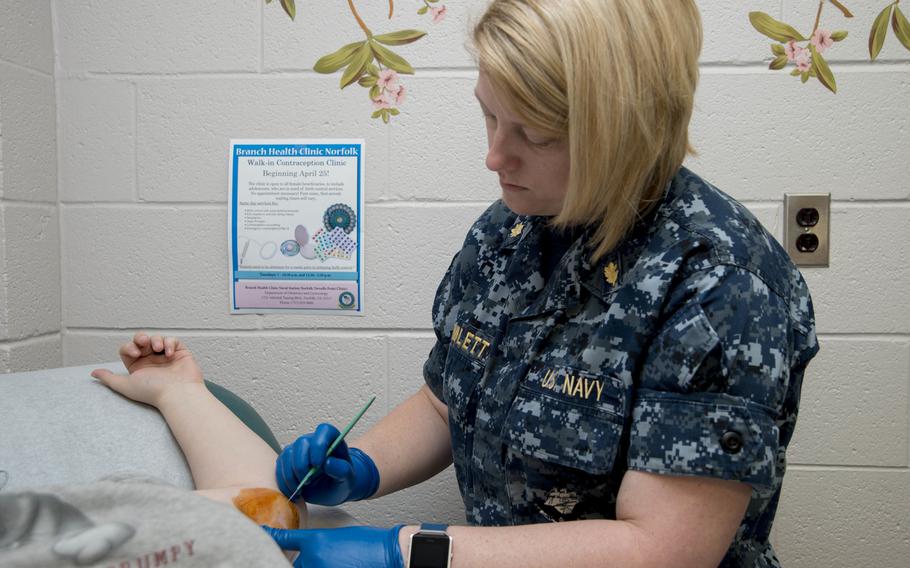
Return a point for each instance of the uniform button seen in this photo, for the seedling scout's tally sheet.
(732, 442)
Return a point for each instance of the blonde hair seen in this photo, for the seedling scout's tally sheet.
(617, 78)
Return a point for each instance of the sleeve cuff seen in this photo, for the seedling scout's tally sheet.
(711, 435)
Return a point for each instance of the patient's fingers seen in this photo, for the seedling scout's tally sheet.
(129, 352)
(112, 380)
(170, 345)
(157, 344)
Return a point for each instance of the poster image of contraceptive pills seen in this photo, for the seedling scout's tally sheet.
(340, 216)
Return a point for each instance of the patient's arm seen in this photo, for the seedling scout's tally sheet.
(227, 459)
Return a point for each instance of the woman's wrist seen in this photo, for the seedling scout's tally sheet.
(404, 541)
(180, 393)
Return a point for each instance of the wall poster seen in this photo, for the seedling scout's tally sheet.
(295, 226)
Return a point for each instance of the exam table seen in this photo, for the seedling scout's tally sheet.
(61, 426)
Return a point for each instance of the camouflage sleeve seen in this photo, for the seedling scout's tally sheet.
(442, 325)
(713, 385)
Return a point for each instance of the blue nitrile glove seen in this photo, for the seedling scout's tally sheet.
(347, 547)
(347, 475)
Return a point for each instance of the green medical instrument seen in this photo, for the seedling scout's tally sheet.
(331, 449)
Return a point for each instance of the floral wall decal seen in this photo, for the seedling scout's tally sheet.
(807, 60)
(372, 63)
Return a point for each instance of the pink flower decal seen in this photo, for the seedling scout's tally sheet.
(388, 79)
(438, 14)
(791, 49)
(400, 95)
(803, 60)
(822, 40)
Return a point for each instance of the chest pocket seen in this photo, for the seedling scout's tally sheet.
(561, 445)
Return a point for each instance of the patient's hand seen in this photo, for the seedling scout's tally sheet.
(157, 366)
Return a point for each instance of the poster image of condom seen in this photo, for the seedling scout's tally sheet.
(295, 226)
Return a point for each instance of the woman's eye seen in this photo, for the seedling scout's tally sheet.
(541, 143)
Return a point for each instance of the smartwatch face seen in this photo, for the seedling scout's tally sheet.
(429, 551)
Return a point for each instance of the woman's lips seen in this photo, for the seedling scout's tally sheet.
(512, 187)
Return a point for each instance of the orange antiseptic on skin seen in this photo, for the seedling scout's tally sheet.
(267, 507)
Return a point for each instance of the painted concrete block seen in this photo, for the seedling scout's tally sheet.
(729, 38)
(408, 249)
(109, 36)
(844, 518)
(32, 269)
(29, 134)
(132, 267)
(853, 409)
(865, 288)
(794, 139)
(4, 305)
(31, 355)
(27, 35)
(439, 145)
(407, 354)
(322, 28)
(185, 127)
(97, 140)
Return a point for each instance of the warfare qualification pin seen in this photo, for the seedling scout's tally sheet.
(517, 229)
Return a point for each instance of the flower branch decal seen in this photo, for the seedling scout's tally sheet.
(807, 60)
(372, 63)
(437, 13)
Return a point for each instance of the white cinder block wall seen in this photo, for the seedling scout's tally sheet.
(148, 95)
(30, 316)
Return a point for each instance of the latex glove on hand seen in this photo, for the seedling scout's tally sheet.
(348, 547)
(347, 475)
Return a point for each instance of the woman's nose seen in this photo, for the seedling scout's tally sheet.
(500, 156)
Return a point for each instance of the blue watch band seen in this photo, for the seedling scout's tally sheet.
(435, 527)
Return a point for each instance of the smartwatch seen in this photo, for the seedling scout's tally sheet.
(431, 547)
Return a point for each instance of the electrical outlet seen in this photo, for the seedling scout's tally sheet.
(807, 227)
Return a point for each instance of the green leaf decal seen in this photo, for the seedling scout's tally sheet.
(839, 35)
(377, 113)
(400, 38)
(795, 73)
(878, 33)
(825, 76)
(289, 8)
(394, 111)
(391, 59)
(779, 63)
(357, 66)
(375, 91)
(901, 27)
(774, 29)
(335, 61)
(804, 76)
(367, 81)
(372, 69)
(423, 10)
(778, 49)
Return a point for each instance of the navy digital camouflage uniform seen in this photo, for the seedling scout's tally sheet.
(680, 352)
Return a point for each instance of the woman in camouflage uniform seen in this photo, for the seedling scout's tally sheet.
(620, 345)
